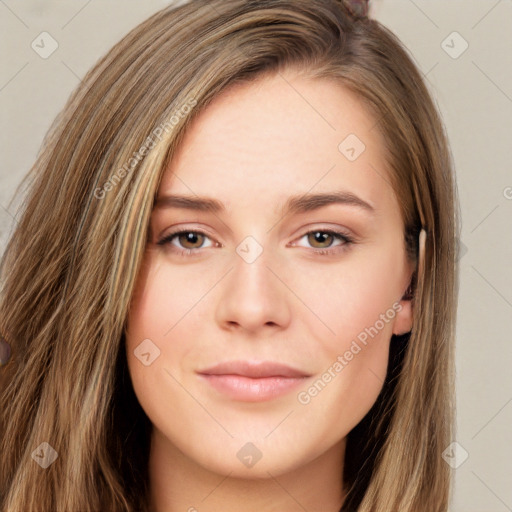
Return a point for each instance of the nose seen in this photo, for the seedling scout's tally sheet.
(254, 295)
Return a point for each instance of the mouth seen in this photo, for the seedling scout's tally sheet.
(254, 369)
(249, 381)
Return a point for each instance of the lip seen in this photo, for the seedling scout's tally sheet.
(253, 381)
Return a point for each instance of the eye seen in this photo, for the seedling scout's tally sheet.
(325, 236)
(191, 239)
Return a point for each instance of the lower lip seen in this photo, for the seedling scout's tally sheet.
(247, 389)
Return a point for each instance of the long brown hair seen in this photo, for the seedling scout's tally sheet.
(70, 266)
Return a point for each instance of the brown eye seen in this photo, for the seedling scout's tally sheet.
(322, 242)
(185, 242)
(191, 237)
(320, 237)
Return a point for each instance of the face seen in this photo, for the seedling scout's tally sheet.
(295, 299)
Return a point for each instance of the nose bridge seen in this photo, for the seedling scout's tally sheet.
(251, 273)
(253, 296)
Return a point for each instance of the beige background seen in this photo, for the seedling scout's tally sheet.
(474, 94)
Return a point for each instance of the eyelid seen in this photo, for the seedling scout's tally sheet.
(184, 229)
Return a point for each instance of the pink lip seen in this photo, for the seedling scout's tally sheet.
(253, 381)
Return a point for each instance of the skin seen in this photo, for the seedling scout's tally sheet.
(252, 148)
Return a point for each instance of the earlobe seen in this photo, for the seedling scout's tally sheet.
(404, 318)
(408, 294)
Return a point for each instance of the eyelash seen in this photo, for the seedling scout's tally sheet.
(348, 241)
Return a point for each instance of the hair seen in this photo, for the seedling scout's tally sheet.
(70, 266)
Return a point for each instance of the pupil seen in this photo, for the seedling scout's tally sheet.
(321, 236)
(190, 237)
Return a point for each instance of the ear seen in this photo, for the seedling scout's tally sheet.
(404, 318)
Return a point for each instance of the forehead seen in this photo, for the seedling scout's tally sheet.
(278, 136)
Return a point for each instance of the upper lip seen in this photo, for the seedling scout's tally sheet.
(255, 369)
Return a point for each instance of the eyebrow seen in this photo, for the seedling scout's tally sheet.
(295, 204)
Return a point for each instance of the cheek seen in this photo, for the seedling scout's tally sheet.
(355, 358)
(149, 320)
(152, 349)
(162, 304)
(162, 322)
(352, 300)
(359, 307)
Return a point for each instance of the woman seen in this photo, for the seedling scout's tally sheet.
(250, 371)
